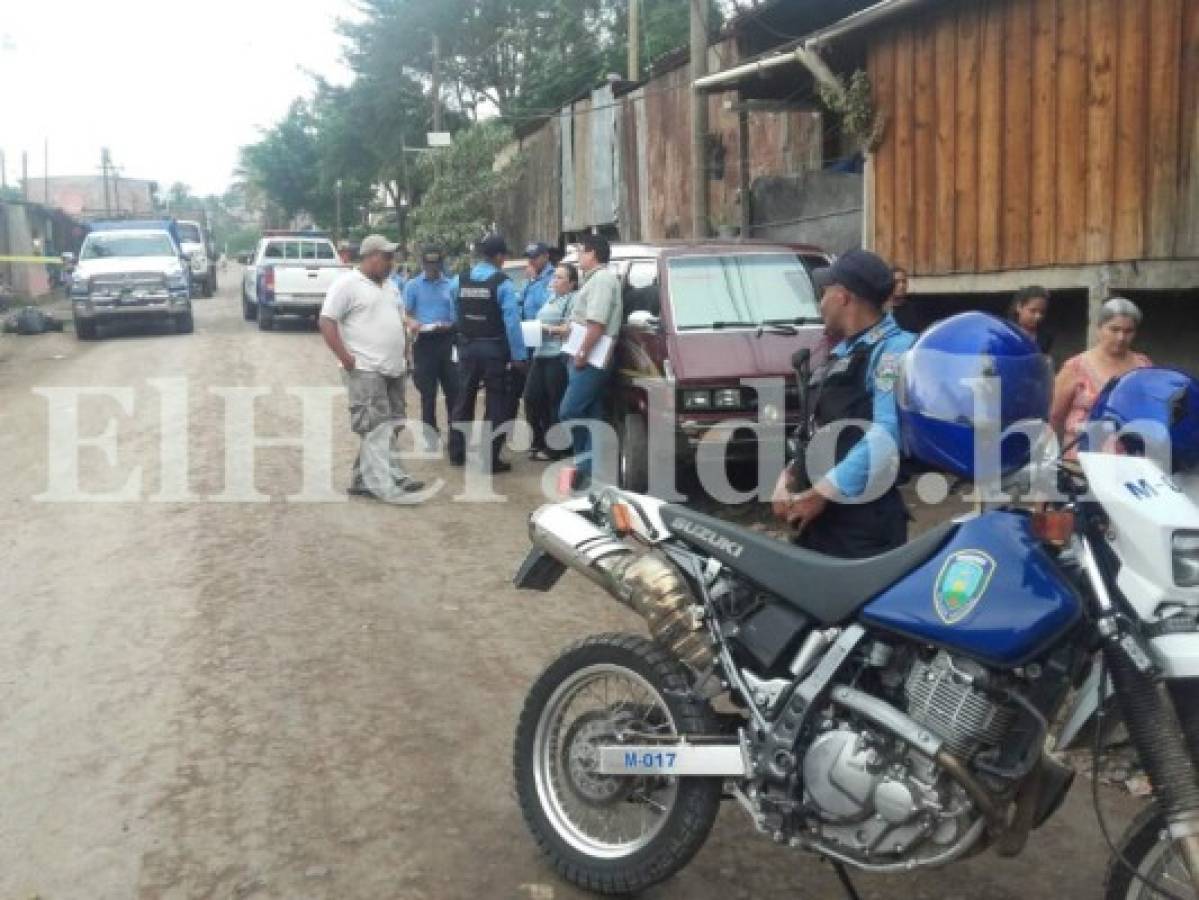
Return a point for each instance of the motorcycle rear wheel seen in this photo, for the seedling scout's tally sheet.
(606, 834)
(1147, 848)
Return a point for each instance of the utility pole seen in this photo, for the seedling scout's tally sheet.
(436, 83)
(699, 120)
(337, 196)
(104, 178)
(634, 40)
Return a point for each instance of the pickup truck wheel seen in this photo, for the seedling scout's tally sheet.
(185, 324)
(84, 330)
(213, 286)
(206, 290)
(634, 453)
(249, 311)
(266, 319)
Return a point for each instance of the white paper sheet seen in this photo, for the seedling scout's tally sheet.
(600, 353)
(531, 332)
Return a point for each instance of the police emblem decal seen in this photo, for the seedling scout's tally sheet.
(964, 579)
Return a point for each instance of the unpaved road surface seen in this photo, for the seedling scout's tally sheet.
(302, 700)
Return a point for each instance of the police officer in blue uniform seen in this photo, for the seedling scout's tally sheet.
(430, 303)
(490, 345)
(852, 509)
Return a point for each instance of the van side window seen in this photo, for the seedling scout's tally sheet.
(325, 251)
(273, 251)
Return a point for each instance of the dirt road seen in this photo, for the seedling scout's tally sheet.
(301, 700)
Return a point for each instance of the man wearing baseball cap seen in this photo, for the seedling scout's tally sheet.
(853, 509)
(361, 323)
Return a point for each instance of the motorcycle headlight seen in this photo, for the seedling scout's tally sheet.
(697, 400)
(1186, 558)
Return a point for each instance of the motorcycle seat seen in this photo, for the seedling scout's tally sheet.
(826, 588)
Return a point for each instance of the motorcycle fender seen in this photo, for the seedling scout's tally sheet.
(683, 758)
(1083, 708)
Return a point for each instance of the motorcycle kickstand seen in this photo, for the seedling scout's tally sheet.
(843, 876)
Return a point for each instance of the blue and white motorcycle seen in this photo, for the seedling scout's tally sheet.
(892, 713)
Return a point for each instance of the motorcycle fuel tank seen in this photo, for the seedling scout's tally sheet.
(992, 594)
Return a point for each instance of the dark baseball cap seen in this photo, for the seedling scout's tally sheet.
(860, 272)
(536, 249)
(493, 245)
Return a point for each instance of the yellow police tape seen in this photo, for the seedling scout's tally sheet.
(44, 260)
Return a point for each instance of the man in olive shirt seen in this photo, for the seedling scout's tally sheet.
(599, 310)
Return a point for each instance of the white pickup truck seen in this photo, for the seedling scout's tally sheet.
(288, 276)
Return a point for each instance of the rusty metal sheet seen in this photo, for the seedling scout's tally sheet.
(603, 166)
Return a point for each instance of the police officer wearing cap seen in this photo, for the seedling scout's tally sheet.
(853, 510)
(533, 296)
(537, 290)
(490, 346)
(430, 302)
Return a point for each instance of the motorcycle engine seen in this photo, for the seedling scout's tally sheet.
(872, 795)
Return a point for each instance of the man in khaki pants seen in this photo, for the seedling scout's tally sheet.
(362, 323)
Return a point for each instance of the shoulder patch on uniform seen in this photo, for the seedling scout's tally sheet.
(887, 372)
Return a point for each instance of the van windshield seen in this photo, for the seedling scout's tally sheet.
(740, 289)
(120, 244)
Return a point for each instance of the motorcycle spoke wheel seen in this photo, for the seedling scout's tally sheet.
(603, 816)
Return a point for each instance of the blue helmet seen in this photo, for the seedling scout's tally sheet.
(970, 378)
(1153, 411)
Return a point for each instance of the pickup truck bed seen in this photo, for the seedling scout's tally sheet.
(289, 277)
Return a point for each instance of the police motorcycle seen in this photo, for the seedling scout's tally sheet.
(892, 713)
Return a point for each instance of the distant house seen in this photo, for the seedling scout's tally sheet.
(1028, 141)
(91, 196)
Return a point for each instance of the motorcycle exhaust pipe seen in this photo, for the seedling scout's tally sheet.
(646, 583)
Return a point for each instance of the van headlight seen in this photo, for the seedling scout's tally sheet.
(1186, 558)
(697, 400)
(727, 398)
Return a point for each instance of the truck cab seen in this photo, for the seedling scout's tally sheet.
(194, 240)
(130, 270)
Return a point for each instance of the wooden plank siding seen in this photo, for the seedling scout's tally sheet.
(1029, 133)
(1187, 237)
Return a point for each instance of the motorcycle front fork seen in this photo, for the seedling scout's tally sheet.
(1164, 726)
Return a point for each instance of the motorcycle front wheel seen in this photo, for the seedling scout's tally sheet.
(603, 833)
(1147, 849)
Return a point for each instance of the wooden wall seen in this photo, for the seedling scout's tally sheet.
(1025, 133)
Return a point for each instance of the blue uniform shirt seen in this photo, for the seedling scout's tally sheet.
(431, 302)
(874, 450)
(509, 306)
(535, 293)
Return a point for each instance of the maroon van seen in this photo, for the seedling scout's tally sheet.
(702, 318)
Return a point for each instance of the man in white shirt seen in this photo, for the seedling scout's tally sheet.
(362, 323)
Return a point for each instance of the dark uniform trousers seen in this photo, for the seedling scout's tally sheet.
(433, 365)
(850, 530)
(481, 363)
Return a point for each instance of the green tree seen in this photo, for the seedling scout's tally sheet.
(460, 204)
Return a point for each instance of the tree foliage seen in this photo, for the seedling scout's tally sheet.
(465, 185)
(514, 60)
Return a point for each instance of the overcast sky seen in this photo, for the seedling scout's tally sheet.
(172, 89)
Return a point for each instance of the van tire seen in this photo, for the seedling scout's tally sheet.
(266, 319)
(249, 311)
(633, 462)
(185, 324)
(84, 330)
